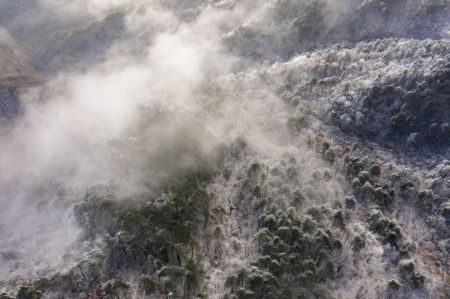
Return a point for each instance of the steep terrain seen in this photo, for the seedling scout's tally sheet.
(16, 73)
(226, 149)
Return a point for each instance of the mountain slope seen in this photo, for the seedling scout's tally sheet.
(229, 149)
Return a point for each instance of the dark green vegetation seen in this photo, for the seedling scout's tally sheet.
(296, 257)
(382, 193)
(156, 245)
(293, 263)
(25, 292)
(155, 242)
(332, 210)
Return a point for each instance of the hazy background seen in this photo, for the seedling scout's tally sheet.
(130, 121)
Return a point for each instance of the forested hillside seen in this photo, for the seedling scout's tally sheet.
(231, 149)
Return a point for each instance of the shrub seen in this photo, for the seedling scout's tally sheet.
(388, 229)
(445, 211)
(297, 198)
(382, 198)
(350, 202)
(149, 285)
(115, 287)
(308, 225)
(364, 176)
(355, 183)
(330, 156)
(394, 285)
(338, 220)
(29, 293)
(375, 170)
(358, 243)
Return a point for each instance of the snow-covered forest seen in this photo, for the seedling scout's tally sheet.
(236, 149)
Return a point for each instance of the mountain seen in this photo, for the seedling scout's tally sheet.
(225, 149)
(16, 73)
